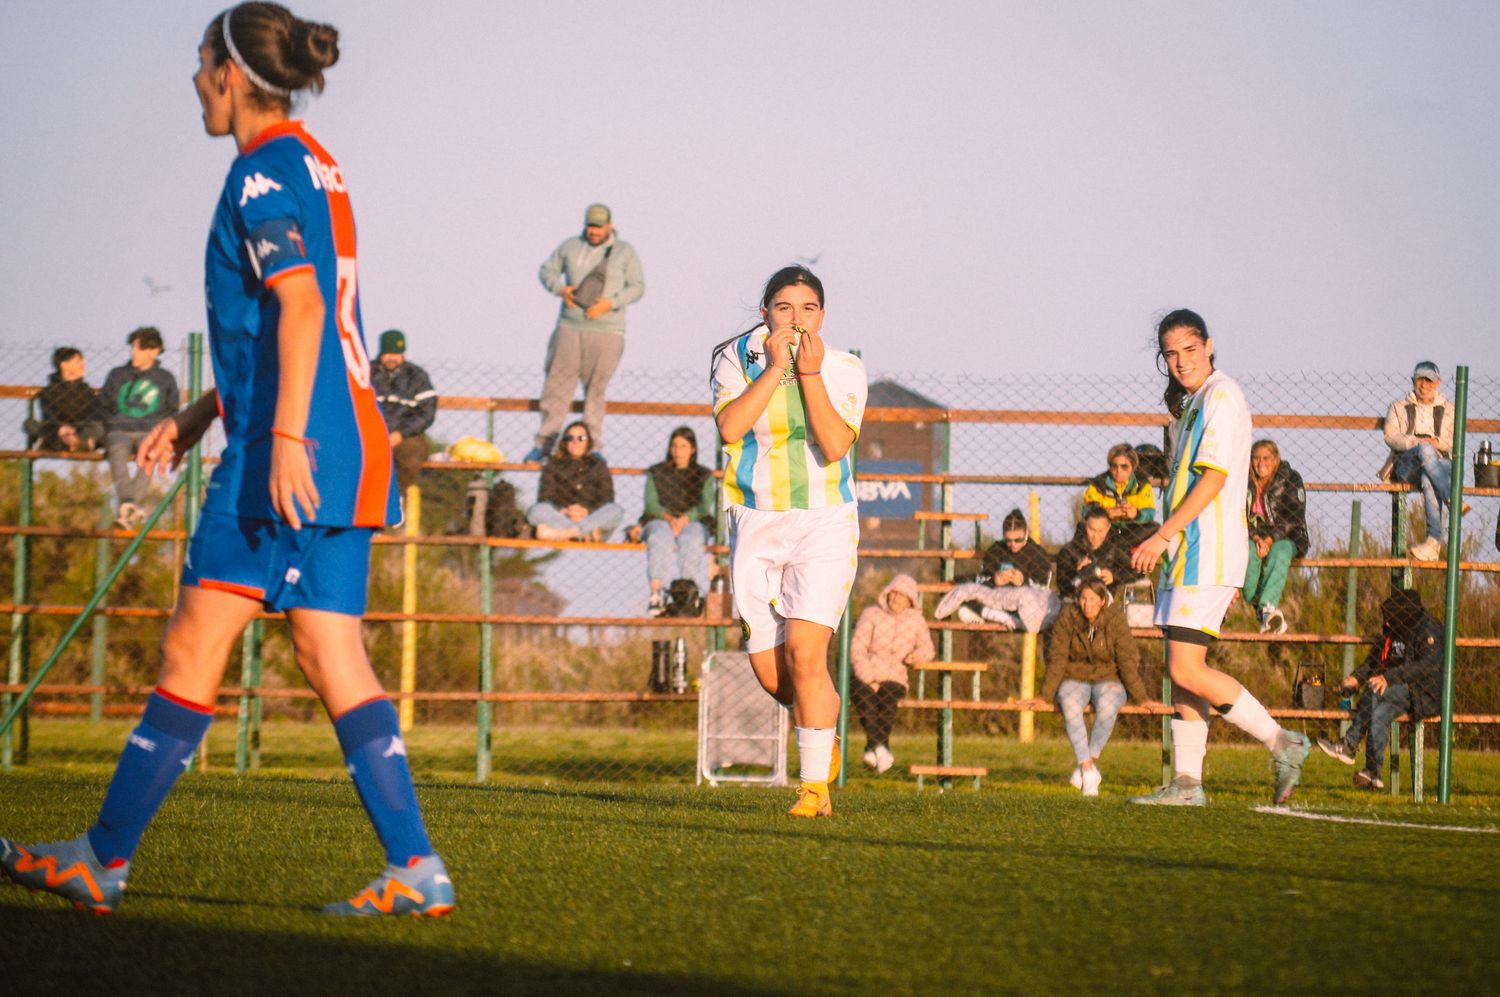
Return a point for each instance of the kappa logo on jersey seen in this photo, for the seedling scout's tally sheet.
(257, 184)
(398, 747)
(144, 743)
(264, 248)
(325, 175)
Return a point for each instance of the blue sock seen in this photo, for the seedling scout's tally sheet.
(376, 755)
(159, 749)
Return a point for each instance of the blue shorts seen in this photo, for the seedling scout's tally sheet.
(316, 567)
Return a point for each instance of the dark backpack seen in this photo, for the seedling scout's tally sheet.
(502, 516)
(683, 598)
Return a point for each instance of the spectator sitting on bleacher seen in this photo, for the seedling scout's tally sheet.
(1095, 551)
(1014, 559)
(1419, 431)
(1402, 673)
(576, 496)
(679, 518)
(68, 407)
(1276, 510)
(889, 636)
(135, 397)
(1093, 659)
(408, 402)
(1126, 497)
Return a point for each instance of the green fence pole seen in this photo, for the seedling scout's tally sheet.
(101, 622)
(1351, 600)
(193, 500)
(1400, 576)
(20, 623)
(1455, 551)
(88, 609)
(249, 679)
(484, 710)
(845, 626)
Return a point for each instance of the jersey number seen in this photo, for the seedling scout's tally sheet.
(355, 357)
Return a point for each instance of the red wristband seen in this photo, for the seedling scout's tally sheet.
(287, 436)
(809, 372)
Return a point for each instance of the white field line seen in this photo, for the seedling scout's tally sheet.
(1334, 818)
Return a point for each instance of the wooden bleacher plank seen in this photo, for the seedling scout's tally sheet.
(951, 666)
(925, 515)
(973, 771)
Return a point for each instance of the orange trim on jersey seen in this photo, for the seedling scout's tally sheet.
(248, 591)
(280, 128)
(371, 497)
(276, 277)
(186, 704)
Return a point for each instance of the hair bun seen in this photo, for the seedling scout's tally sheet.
(314, 47)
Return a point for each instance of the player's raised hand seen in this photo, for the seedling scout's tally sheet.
(293, 493)
(779, 347)
(810, 354)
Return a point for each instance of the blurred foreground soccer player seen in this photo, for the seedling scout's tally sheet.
(1206, 541)
(788, 411)
(282, 527)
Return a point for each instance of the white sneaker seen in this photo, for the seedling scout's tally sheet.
(967, 615)
(1091, 780)
(1274, 622)
(657, 605)
(1076, 779)
(131, 516)
(545, 532)
(883, 759)
(871, 759)
(1427, 550)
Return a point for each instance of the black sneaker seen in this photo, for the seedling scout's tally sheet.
(1364, 779)
(1337, 749)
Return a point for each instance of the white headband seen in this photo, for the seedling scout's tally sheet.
(239, 60)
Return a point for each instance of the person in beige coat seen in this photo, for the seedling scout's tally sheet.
(889, 636)
(1093, 658)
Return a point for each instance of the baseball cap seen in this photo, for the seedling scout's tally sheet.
(596, 214)
(392, 341)
(147, 337)
(1427, 369)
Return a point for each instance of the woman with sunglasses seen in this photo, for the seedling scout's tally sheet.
(1014, 559)
(576, 496)
(788, 410)
(1128, 499)
(1206, 541)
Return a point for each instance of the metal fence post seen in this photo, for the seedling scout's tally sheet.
(19, 660)
(484, 709)
(1351, 600)
(100, 642)
(1455, 551)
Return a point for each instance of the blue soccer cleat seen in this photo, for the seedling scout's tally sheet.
(1286, 764)
(422, 889)
(69, 869)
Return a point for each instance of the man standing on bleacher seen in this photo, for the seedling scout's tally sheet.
(1403, 673)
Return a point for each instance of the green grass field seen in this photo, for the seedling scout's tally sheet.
(607, 888)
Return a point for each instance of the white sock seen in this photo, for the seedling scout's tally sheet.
(1249, 716)
(815, 745)
(1189, 745)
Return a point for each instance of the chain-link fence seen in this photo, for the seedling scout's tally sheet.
(548, 645)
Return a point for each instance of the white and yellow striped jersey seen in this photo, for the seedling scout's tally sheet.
(1214, 431)
(778, 465)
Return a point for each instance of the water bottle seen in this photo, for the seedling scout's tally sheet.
(679, 665)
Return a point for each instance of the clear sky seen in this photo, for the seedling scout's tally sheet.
(986, 185)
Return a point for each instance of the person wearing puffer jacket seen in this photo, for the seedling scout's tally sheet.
(888, 637)
(1093, 658)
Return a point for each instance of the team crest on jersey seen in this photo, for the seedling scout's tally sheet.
(257, 184)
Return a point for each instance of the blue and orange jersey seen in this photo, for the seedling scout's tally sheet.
(285, 209)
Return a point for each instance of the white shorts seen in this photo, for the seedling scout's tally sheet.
(1195, 607)
(797, 564)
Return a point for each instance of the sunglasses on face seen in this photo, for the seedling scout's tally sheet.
(576, 439)
(1121, 465)
(1015, 541)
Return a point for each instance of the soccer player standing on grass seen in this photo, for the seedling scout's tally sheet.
(286, 525)
(1206, 541)
(788, 411)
